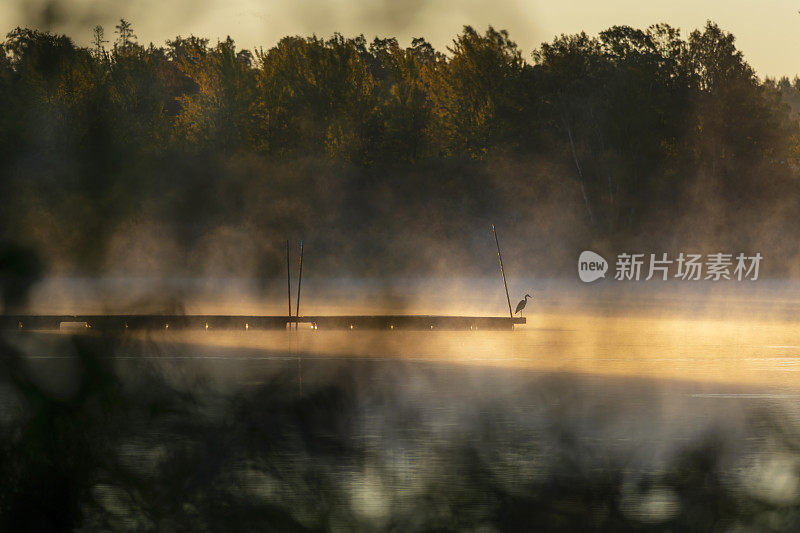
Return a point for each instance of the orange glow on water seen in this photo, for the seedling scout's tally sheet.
(743, 351)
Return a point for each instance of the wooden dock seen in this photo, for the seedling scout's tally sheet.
(257, 322)
(155, 322)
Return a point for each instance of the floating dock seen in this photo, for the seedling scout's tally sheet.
(154, 322)
(257, 322)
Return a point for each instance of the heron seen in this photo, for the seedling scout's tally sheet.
(522, 303)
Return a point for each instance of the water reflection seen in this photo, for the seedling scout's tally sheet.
(132, 434)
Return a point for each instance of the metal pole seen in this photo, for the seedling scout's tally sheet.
(288, 281)
(299, 282)
(500, 256)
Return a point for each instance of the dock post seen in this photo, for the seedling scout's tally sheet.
(289, 282)
(500, 256)
(299, 283)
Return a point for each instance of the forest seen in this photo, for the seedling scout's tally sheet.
(200, 158)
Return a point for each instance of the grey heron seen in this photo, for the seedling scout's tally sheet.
(522, 303)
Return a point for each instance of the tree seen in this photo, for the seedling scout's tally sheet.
(125, 36)
(218, 111)
(473, 93)
(570, 73)
(98, 41)
(316, 96)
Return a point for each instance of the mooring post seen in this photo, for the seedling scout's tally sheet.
(299, 282)
(500, 256)
(289, 282)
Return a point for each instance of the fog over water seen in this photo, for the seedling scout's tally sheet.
(618, 406)
(724, 332)
(165, 179)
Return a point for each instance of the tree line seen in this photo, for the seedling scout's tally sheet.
(623, 139)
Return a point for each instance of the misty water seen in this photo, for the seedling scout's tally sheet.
(613, 408)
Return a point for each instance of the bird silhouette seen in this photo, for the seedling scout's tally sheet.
(522, 303)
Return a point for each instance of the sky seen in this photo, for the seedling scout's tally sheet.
(768, 33)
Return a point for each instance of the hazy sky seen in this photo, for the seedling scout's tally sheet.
(767, 32)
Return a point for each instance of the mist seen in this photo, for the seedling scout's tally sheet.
(200, 159)
(167, 179)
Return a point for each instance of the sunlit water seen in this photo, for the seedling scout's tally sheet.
(658, 409)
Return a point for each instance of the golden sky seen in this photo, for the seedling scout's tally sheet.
(767, 32)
